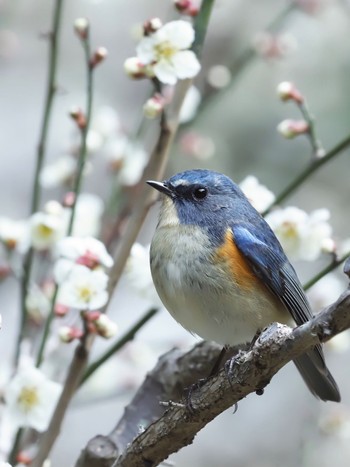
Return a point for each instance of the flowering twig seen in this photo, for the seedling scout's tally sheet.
(310, 169)
(241, 62)
(47, 327)
(157, 162)
(50, 93)
(128, 336)
(83, 122)
(317, 148)
(83, 125)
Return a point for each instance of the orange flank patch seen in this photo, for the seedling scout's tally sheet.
(239, 267)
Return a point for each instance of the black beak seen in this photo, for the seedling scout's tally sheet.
(162, 187)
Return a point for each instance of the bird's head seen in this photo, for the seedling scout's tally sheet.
(195, 197)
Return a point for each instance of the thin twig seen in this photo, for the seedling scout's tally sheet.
(50, 93)
(78, 181)
(333, 265)
(84, 131)
(310, 169)
(317, 148)
(41, 152)
(46, 331)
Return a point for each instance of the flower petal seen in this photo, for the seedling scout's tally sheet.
(145, 50)
(179, 33)
(186, 64)
(165, 72)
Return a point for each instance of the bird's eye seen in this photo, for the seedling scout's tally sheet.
(200, 193)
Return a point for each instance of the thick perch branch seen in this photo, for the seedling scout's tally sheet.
(147, 433)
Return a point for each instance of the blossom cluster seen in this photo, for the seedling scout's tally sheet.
(164, 53)
(82, 280)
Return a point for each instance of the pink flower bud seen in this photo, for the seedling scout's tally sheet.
(153, 106)
(292, 128)
(92, 315)
(152, 25)
(78, 116)
(134, 68)
(98, 57)
(187, 7)
(89, 259)
(81, 27)
(69, 199)
(68, 334)
(287, 91)
(61, 310)
(105, 327)
(328, 245)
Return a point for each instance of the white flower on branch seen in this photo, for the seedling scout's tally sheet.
(14, 234)
(87, 251)
(166, 50)
(59, 172)
(46, 229)
(106, 122)
(127, 158)
(302, 235)
(258, 195)
(80, 287)
(88, 213)
(138, 274)
(30, 399)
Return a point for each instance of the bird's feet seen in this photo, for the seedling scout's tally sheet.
(189, 392)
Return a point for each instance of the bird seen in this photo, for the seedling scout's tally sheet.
(221, 272)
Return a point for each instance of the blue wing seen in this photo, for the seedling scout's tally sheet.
(263, 252)
(271, 265)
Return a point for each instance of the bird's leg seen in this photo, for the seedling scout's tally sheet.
(200, 383)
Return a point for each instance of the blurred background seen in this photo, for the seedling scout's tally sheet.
(234, 132)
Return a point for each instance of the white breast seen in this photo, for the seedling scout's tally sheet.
(199, 293)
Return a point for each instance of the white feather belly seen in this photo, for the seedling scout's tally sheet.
(200, 294)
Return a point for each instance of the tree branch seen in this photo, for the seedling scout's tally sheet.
(149, 432)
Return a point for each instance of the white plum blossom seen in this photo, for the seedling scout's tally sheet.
(166, 50)
(14, 234)
(138, 274)
(38, 303)
(59, 172)
(127, 158)
(45, 230)
(190, 105)
(87, 251)
(80, 287)
(106, 122)
(258, 195)
(88, 214)
(302, 235)
(30, 398)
